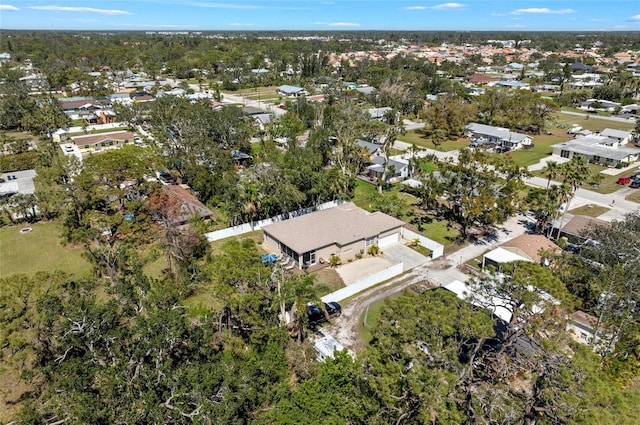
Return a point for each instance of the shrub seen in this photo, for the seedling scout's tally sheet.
(374, 250)
(18, 162)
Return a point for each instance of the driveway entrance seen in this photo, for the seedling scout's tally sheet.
(407, 256)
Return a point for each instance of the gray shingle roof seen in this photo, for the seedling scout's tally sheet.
(339, 225)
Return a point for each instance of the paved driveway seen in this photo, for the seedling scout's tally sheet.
(402, 253)
(359, 269)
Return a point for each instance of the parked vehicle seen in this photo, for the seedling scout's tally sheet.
(316, 315)
(624, 180)
(635, 184)
(574, 129)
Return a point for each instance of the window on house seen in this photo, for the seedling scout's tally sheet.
(370, 241)
(596, 158)
(564, 154)
(583, 336)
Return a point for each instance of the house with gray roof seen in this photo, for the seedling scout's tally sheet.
(499, 136)
(344, 231)
(291, 91)
(620, 135)
(371, 148)
(397, 169)
(598, 148)
(379, 113)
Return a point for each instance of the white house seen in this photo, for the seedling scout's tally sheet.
(291, 91)
(397, 169)
(600, 148)
(378, 113)
(498, 135)
(599, 105)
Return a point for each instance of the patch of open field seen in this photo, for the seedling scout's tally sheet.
(38, 250)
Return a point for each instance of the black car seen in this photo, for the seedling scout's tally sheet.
(316, 315)
(635, 184)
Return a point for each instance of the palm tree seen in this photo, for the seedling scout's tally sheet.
(550, 171)
(575, 173)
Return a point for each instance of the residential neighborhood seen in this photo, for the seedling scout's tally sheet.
(254, 226)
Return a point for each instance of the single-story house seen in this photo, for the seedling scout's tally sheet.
(397, 169)
(620, 135)
(481, 79)
(366, 90)
(580, 67)
(599, 104)
(186, 205)
(523, 248)
(600, 149)
(513, 85)
(573, 227)
(291, 91)
(98, 142)
(581, 326)
(501, 136)
(344, 231)
(379, 113)
(371, 148)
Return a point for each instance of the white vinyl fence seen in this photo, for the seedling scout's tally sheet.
(363, 284)
(437, 249)
(257, 225)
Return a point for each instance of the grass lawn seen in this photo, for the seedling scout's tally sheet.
(327, 281)
(269, 91)
(589, 210)
(363, 194)
(592, 123)
(38, 250)
(420, 140)
(634, 197)
(541, 148)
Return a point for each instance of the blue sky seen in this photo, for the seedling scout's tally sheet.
(204, 15)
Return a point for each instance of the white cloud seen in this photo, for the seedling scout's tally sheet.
(443, 6)
(635, 18)
(8, 7)
(542, 10)
(344, 24)
(81, 9)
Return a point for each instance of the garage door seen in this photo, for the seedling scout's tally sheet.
(388, 240)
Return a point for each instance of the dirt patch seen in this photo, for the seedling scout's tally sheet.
(346, 328)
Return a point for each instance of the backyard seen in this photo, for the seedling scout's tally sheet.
(431, 227)
(38, 250)
(420, 140)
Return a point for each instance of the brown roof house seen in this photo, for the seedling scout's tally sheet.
(98, 142)
(573, 227)
(186, 205)
(523, 248)
(344, 231)
(582, 327)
